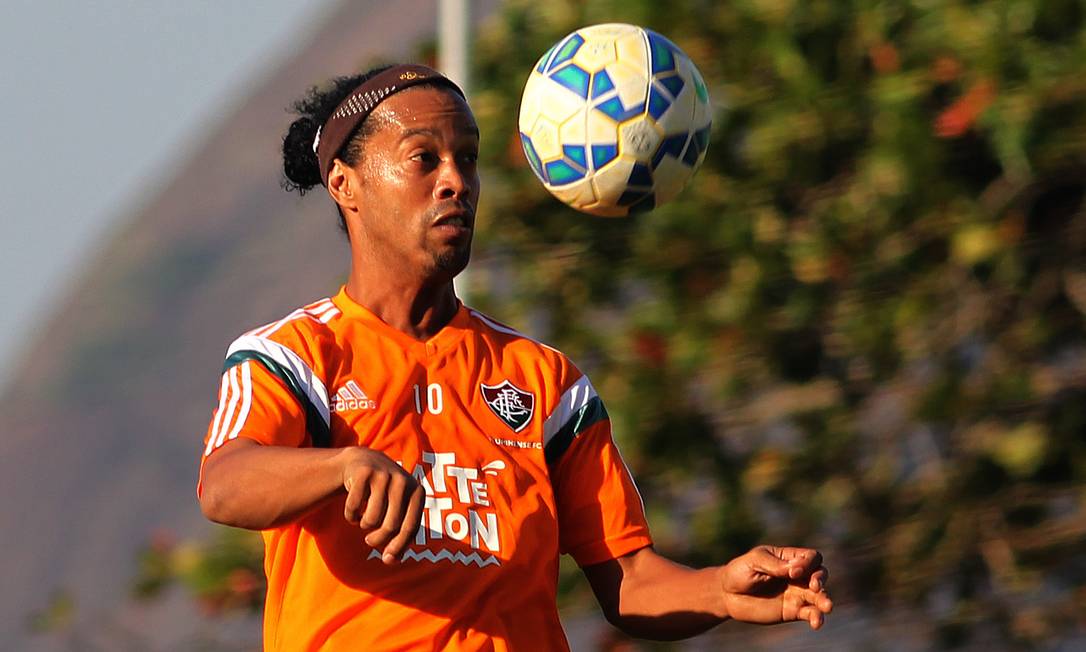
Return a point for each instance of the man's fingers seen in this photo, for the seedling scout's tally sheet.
(411, 523)
(819, 578)
(811, 606)
(814, 617)
(396, 500)
(784, 562)
(801, 561)
(765, 560)
(377, 503)
(357, 495)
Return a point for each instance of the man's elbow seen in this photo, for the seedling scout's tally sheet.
(214, 506)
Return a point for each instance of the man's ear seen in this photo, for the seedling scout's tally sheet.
(342, 184)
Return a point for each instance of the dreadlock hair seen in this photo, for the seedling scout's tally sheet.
(301, 170)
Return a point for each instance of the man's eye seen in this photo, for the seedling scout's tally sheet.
(424, 157)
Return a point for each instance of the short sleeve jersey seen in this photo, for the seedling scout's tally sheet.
(509, 440)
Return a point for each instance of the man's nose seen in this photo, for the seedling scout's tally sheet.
(452, 182)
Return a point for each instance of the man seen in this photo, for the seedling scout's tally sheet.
(417, 468)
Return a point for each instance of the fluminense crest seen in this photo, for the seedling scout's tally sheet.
(511, 404)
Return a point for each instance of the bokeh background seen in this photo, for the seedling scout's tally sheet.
(861, 327)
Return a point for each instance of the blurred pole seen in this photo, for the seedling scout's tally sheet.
(453, 27)
(453, 31)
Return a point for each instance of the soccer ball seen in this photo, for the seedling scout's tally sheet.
(614, 119)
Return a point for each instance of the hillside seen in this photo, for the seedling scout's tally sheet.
(100, 433)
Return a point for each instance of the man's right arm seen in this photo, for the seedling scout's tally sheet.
(250, 485)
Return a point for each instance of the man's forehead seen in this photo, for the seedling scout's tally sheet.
(425, 111)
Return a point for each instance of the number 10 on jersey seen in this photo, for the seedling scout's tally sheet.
(432, 401)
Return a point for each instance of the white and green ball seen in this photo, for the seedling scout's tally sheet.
(614, 119)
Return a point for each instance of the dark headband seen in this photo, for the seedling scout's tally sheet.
(352, 111)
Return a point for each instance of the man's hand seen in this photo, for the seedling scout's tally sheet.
(772, 585)
(382, 499)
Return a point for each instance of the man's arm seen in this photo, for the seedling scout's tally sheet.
(249, 485)
(649, 596)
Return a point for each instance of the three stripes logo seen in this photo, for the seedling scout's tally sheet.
(351, 397)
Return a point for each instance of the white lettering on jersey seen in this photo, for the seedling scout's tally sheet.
(351, 397)
(457, 509)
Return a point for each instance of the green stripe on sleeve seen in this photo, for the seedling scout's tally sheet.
(314, 423)
(581, 420)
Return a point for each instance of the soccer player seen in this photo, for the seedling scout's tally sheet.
(415, 467)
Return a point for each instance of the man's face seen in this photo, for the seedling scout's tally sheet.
(420, 183)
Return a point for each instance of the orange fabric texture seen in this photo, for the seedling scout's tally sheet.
(507, 437)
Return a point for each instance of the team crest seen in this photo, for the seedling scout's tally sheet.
(512, 405)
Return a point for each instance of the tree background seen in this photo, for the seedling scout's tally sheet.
(860, 327)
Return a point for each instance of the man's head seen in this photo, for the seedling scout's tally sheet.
(404, 178)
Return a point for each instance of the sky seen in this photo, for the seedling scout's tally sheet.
(101, 98)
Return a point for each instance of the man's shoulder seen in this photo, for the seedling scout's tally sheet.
(302, 331)
(491, 328)
(523, 346)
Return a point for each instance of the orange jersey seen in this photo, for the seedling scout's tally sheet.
(509, 440)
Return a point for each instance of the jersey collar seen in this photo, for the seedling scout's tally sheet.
(450, 334)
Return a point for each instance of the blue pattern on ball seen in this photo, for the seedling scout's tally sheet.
(614, 109)
(560, 173)
(576, 154)
(533, 157)
(601, 83)
(640, 175)
(673, 84)
(658, 104)
(566, 50)
(574, 78)
(603, 154)
(662, 52)
(671, 146)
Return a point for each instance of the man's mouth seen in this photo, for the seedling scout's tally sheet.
(455, 220)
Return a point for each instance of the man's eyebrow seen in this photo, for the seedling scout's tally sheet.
(426, 131)
(418, 131)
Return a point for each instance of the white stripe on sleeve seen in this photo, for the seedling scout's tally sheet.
(576, 397)
(246, 399)
(224, 391)
(235, 394)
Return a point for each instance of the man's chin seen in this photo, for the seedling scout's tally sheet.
(453, 261)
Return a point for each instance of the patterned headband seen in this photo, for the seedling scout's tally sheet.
(333, 135)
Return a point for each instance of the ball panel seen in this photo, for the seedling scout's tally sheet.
(676, 119)
(673, 84)
(630, 48)
(560, 172)
(661, 52)
(579, 194)
(541, 64)
(600, 127)
(566, 50)
(533, 158)
(545, 139)
(574, 78)
(602, 155)
(638, 137)
(631, 83)
(609, 31)
(609, 182)
(671, 176)
(595, 54)
(573, 130)
(601, 84)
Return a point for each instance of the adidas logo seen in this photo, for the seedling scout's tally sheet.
(351, 397)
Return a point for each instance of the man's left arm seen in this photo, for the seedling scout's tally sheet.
(648, 596)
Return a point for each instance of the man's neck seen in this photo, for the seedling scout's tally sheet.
(412, 307)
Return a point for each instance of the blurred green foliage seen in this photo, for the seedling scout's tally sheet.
(861, 327)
